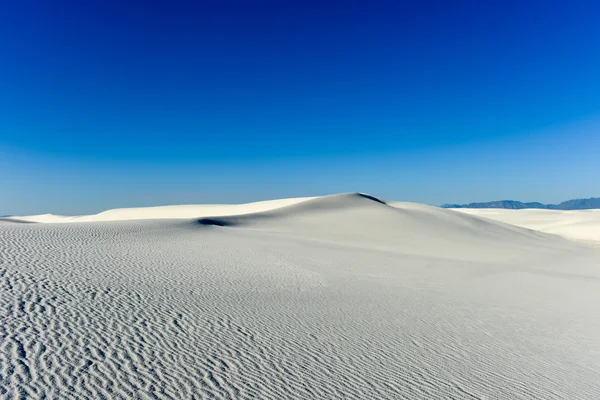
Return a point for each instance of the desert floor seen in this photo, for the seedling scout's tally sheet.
(335, 297)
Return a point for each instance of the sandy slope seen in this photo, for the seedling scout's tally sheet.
(579, 224)
(166, 212)
(339, 297)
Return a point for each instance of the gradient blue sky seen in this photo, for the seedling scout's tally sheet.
(115, 103)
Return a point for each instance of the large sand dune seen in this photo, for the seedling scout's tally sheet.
(166, 212)
(338, 297)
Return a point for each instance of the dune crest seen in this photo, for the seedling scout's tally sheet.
(165, 212)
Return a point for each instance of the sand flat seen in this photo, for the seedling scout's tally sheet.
(338, 297)
(574, 224)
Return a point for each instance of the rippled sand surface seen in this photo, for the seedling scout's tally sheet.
(339, 297)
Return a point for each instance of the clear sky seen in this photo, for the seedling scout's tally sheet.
(119, 103)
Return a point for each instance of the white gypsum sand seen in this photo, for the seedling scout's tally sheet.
(166, 212)
(573, 224)
(337, 297)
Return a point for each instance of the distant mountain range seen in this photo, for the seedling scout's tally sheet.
(577, 204)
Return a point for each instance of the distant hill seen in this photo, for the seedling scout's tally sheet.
(577, 204)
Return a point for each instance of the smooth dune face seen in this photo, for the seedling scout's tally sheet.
(577, 224)
(339, 297)
(166, 212)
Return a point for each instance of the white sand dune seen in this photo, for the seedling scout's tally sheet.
(576, 224)
(166, 212)
(337, 297)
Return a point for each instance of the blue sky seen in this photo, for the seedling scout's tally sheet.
(115, 104)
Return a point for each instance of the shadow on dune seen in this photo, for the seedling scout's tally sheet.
(215, 222)
(317, 206)
(14, 221)
(369, 197)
